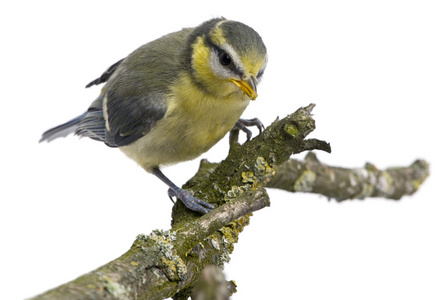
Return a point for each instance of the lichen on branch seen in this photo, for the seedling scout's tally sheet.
(313, 176)
(168, 263)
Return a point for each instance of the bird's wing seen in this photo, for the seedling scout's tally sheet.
(92, 124)
(106, 75)
(130, 118)
(136, 94)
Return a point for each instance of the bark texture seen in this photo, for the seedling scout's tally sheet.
(170, 263)
(313, 176)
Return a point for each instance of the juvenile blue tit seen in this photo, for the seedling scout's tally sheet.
(174, 98)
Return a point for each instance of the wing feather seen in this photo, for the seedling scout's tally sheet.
(136, 92)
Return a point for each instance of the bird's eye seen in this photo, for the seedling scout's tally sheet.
(225, 59)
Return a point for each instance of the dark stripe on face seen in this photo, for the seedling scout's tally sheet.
(219, 52)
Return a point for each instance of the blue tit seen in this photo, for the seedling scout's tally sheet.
(174, 98)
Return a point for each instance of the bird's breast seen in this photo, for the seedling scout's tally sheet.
(193, 123)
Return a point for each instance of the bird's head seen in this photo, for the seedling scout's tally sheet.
(226, 58)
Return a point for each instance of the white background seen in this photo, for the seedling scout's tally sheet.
(372, 68)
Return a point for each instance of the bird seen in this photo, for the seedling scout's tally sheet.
(175, 97)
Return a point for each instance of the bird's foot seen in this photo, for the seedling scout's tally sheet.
(190, 201)
(242, 123)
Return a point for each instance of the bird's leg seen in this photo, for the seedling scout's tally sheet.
(242, 123)
(186, 197)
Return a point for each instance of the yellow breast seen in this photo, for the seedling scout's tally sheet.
(193, 123)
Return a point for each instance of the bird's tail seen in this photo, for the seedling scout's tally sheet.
(62, 130)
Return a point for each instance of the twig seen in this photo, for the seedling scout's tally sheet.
(313, 176)
(168, 263)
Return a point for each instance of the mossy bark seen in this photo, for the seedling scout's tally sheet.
(169, 263)
(313, 176)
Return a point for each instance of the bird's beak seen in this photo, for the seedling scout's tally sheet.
(247, 86)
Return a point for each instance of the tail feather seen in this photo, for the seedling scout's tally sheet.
(62, 130)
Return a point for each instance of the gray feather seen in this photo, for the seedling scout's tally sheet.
(62, 130)
(106, 75)
(92, 126)
(137, 90)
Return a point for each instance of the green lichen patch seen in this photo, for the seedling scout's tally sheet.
(261, 174)
(305, 182)
(174, 268)
(292, 129)
(160, 243)
(385, 183)
(366, 191)
(236, 191)
(117, 290)
(229, 236)
(421, 169)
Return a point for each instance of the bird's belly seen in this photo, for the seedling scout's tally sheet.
(184, 134)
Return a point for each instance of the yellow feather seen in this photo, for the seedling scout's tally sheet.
(193, 123)
(196, 118)
(217, 34)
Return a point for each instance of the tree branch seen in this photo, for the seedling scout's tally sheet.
(159, 265)
(312, 176)
(169, 263)
(213, 285)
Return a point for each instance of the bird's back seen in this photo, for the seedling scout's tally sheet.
(134, 98)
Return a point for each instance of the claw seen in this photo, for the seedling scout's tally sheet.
(186, 197)
(171, 195)
(242, 123)
(190, 201)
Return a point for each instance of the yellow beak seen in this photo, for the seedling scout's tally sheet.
(247, 86)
